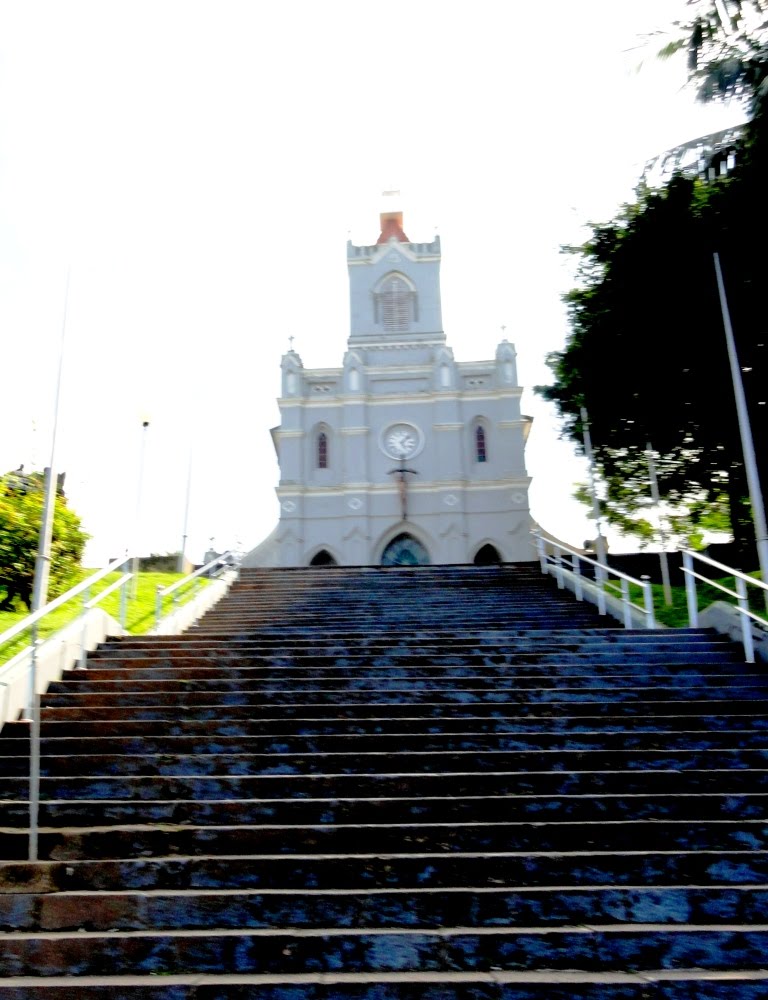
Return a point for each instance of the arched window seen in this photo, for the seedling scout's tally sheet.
(405, 550)
(481, 452)
(322, 558)
(322, 450)
(487, 555)
(395, 304)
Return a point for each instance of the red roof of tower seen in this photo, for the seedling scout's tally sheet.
(392, 225)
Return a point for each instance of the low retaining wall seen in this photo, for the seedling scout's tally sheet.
(724, 618)
(61, 651)
(185, 616)
(57, 653)
(613, 605)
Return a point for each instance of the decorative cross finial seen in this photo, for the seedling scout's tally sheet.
(290, 342)
(503, 329)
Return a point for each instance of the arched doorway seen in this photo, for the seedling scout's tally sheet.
(405, 550)
(487, 555)
(322, 558)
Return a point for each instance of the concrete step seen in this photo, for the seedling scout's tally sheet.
(390, 870)
(660, 984)
(285, 783)
(476, 906)
(594, 808)
(384, 699)
(216, 687)
(356, 761)
(613, 947)
(81, 747)
(434, 707)
(185, 840)
(545, 727)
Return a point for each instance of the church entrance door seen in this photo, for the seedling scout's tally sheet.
(405, 550)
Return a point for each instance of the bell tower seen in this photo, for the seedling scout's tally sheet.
(394, 288)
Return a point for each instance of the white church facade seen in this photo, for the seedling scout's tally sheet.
(402, 455)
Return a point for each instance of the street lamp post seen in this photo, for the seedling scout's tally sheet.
(139, 491)
(745, 430)
(39, 599)
(601, 556)
(180, 566)
(663, 560)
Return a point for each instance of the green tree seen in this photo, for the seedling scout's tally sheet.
(646, 352)
(21, 511)
(727, 46)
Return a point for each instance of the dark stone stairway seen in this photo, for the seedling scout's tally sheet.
(422, 783)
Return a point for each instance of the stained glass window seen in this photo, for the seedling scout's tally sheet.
(481, 453)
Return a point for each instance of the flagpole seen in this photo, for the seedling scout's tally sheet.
(601, 553)
(745, 430)
(39, 598)
(43, 561)
(663, 560)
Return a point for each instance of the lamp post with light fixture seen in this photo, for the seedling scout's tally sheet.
(745, 431)
(139, 492)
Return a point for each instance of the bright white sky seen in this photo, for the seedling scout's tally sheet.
(199, 167)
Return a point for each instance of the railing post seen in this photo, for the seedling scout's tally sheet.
(542, 553)
(559, 569)
(123, 604)
(83, 638)
(625, 601)
(577, 588)
(158, 605)
(650, 618)
(34, 753)
(690, 591)
(746, 623)
(600, 581)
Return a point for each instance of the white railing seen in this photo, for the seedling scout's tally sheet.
(32, 713)
(32, 621)
(24, 664)
(228, 560)
(741, 595)
(561, 559)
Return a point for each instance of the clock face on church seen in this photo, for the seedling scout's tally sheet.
(401, 441)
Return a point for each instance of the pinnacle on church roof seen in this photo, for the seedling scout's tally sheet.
(392, 226)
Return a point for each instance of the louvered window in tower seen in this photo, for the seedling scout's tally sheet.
(396, 306)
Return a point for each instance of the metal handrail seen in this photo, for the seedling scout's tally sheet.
(742, 599)
(602, 572)
(36, 616)
(228, 558)
(30, 623)
(120, 584)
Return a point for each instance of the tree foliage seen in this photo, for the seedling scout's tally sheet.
(727, 46)
(21, 513)
(646, 353)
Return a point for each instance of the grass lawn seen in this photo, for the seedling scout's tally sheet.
(140, 616)
(675, 615)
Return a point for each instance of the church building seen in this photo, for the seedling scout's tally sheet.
(402, 456)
